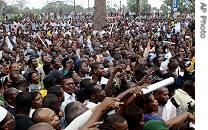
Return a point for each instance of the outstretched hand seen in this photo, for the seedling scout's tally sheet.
(111, 103)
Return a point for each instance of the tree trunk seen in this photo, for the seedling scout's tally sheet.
(137, 7)
(99, 14)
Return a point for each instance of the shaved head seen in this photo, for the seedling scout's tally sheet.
(10, 91)
(46, 115)
(41, 126)
(10, 95)
(41, 115)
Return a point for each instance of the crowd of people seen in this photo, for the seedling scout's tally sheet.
(64, 74)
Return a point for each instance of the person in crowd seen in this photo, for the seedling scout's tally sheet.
(116, 121)
(34, 80)
(23, 106)
(73, 110)
(10, 97)
(41, 126)
(36, 102)
(182, 98)
(46, 115)
(52, 101)
(166, 110)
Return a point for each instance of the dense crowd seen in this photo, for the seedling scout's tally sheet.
(63, 74)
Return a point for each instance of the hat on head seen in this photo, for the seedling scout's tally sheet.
(155, 125)
(3, 113)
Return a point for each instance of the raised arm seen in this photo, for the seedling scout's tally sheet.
(180, 119)
(108, 103)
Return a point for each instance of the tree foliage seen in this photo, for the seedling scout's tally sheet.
(60, 7)
(2, 4)
(185, 6)
(21, 4)
(143, 5)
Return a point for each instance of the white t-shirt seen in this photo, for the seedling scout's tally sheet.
(79, 121)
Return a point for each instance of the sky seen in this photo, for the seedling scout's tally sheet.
(84, 3)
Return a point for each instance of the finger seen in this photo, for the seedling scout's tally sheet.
(117, 104)
(116, 99)
(95, 124)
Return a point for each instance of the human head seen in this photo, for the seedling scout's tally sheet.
(158, 60)
(7, 121)
(33, 77)
(36, 100)
(135, 117)
(91, 60)
(83, 68)
(49, 81)
(73, 110)
(182, 52)
(32, 62)
(68, 63)
(162, 95)
(14, 67)
(95, 93)
(10, 95)
(58, 91)
(41, 126)
(46, 115)
(151, 105)
(56, 63)
(47, 68)
(117, 121)
(46, 59)
(52, 101)
(97, 69)
(173, 64)
(23, 103)
(68, 85)
(14, 76)
(22, 85)
(86, 83)
(189, 87)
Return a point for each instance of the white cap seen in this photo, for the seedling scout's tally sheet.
(3, 113)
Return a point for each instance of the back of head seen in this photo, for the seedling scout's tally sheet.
(117, 121)
(187, 84)
(56, 90)
(56, 74)
(72, 111)
(29, 62)
(85, 83)
(34, 94)
(51, 101)
(133, 115)
(24, 101)
(22, 85)
(47, 68)
(49, 81)
(41, 126)
(189, 87)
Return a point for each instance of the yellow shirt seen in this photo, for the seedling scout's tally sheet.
(43, 92)
(191, 67)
